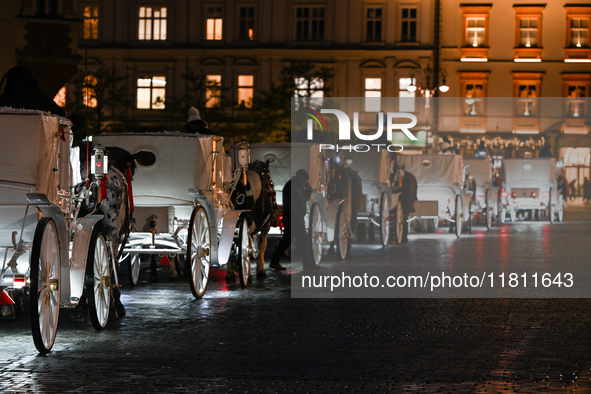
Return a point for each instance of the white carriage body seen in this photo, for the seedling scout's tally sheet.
(481, 170)
(439, 180)
(182, 175)
(36, 157)
(533, 180)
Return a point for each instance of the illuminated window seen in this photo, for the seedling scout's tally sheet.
(152, 23)
(527, 93)
(576, 90)
(409, 25)
(579, 32)
(246, 23)
(374, 24)
(213, 84)
(245, 90)
(310, 87)
(373, 94)
(91, 21)
(310, 23)
(214, 23)
(151, 92)
(475, 32)
(407, 99)
(60, 97)
(473, 86)
(89, 92)
(528, 32)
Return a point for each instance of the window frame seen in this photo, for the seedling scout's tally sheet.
(522, 52)
(246, 19)
(245, 87)
(473, 78)
(151, 88)
(374, 19)
(213, 91)
(152, 20)
(573, 53)
(310, 18)
(410, 20)
(470, 52)
(217, 15)
(91, 18)
(577, 79)
(370, 103)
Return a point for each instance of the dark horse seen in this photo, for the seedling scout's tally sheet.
(257, 196)
(116, 205)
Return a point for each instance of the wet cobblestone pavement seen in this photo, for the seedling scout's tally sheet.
(260, 340)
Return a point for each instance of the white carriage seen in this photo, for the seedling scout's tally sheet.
(44, 246)
(531, 184)
(379, 206)
(486, 199)
(327, 221)
(441, 193)
(181, 191)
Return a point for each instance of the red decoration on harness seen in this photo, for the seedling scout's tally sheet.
(63, 135)
(103, 188)
(129, 191)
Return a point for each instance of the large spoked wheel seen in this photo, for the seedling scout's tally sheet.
(489, 211)
(398, 223)
(98, 280)
(133, 263)
(198, 252)
(341, 238)
(315, 232)
(243, 261)
(458, 216)
(45, 282)
(384, 219)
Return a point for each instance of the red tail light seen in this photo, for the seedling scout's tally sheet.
(505, 193)
(534, 194)
(514, 195)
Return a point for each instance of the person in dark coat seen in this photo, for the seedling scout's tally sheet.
(572, 186)
(296, 193)
(407, 186)
(195, 124)
(22, 92)
(586, 190)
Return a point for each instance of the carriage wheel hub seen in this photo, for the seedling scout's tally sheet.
(54, 284)
(105, 281)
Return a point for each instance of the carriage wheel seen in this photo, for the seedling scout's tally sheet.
(384, 219)
(458, 216)
(315, 232)
(98, 280)
(133, 263)
(45, 280)
(198, 251)
(341, 238)
(243, 261)
(398, 223)
(489, 211)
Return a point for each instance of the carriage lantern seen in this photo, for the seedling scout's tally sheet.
(244, 159)
(99, 162)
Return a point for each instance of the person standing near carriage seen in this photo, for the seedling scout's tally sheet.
(296, 193)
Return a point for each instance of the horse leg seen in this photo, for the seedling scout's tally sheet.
(8, 311)
(230, 270)
(173, 273)
(262, 248)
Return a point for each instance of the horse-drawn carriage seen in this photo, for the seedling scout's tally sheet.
(531, 185)
(441, 193)
(379, 206)
(485, 200)
(181, 190)
(328, 213)
(44, 245)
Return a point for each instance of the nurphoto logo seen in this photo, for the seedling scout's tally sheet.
(345, 129)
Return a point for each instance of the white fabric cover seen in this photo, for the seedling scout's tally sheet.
(183, 161)
(542, 169)
(28, 145)
(371, 166)
(481, 169)
(445, 170)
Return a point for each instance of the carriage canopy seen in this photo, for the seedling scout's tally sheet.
(173, 162)
(433, 170)
(530, 169)
(29, 145)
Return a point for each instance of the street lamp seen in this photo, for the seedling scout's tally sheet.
(427, 90)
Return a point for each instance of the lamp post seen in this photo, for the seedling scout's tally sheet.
(428, 88)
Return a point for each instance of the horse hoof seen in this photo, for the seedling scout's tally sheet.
(113, 316)
(8, 313)
(120, 310)
(261, 274)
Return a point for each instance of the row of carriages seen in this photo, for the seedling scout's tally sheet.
(181, 207)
